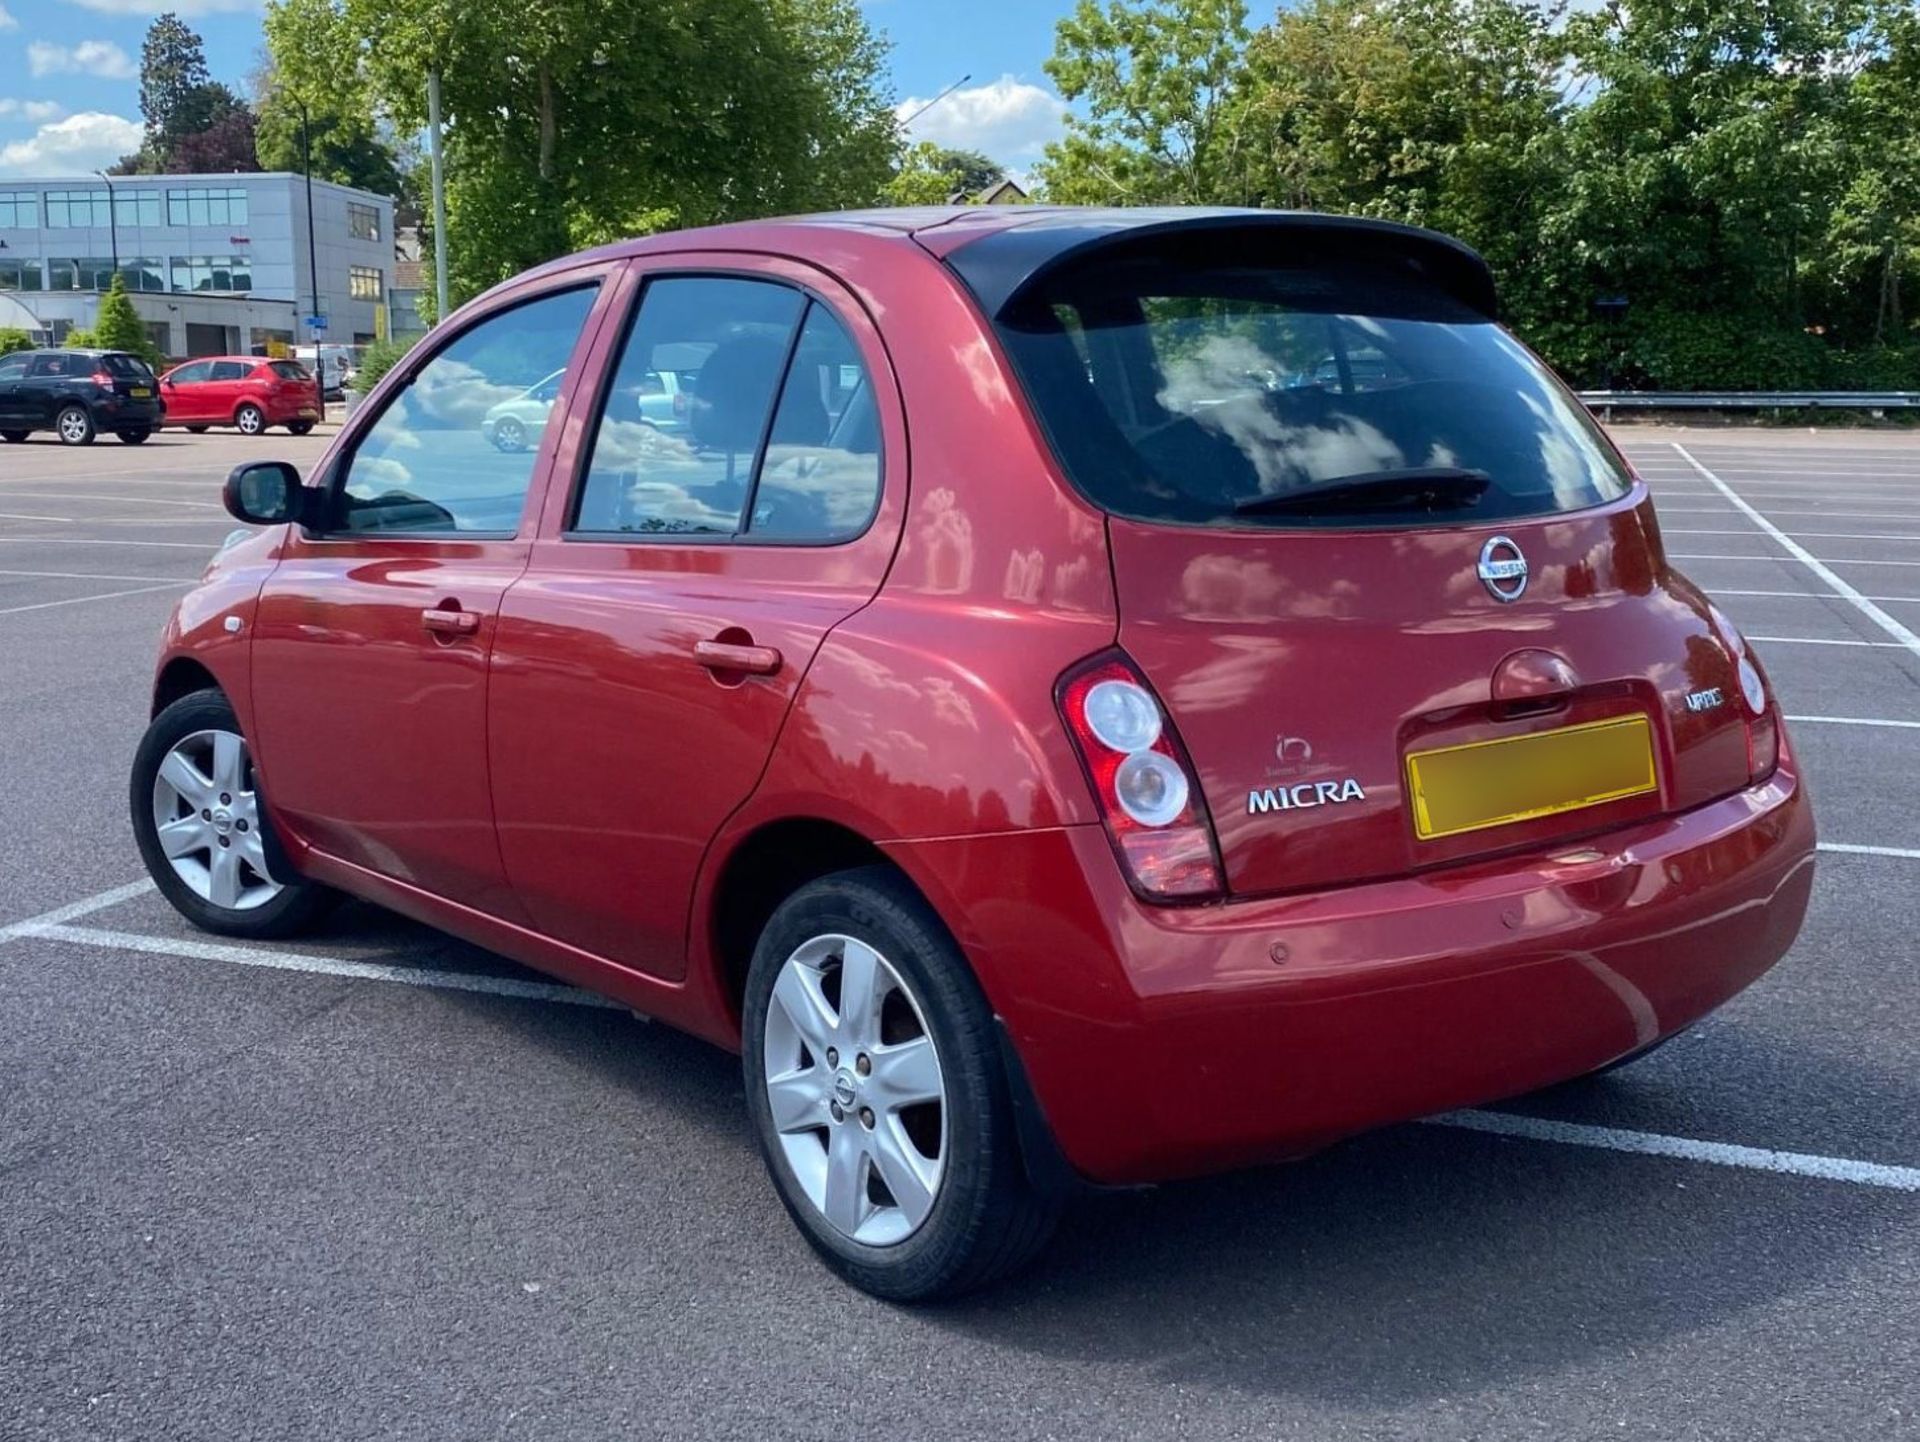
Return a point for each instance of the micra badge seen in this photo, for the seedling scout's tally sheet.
(1306, 793)
(1704, 700)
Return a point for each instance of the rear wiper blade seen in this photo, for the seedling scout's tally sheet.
(1431, 488)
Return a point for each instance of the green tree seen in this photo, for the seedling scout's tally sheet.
(1156, 79)
(315, 70)
(13, 339)
(929, 174)
(193, 122)
(173, 66)
(573, 122)
(118, 327)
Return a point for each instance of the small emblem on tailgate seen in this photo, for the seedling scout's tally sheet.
(1704, 700)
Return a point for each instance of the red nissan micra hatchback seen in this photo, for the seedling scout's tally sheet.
(1085, 696)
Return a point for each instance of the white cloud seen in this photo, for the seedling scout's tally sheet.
(34, 110)
(78, 145)
(186, 9)
(90, 57)
(1008, 119)
(7, 22)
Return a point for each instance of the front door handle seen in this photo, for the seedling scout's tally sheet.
(732, 656)
(447, 621)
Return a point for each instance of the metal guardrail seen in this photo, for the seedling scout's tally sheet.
(1606, 402)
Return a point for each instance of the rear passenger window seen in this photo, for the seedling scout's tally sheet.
(739, 408)
(426, 464)
(821, 476)
(680, 460)
(230, 371)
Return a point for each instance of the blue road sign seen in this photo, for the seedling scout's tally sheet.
(316, 322)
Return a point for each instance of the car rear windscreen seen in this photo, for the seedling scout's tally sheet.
(126, 365)
(1205, 384)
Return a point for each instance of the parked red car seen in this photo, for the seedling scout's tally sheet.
(1090, 696)
(244, 392)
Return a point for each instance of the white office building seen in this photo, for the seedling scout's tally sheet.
(216, 264)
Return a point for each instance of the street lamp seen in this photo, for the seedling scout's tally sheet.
(113, 223)
(313, 264)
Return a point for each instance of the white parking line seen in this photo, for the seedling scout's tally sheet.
(96, 576)
(325, 966)
(1851, 721)
(1803, 535)
(102, 596)
(1652, 1144)
(74, 910)
(129, 500)
(1823, 515)
(1819, 641)
(201, 546)
(1785, 539)
(22, 516)
(1904, 853)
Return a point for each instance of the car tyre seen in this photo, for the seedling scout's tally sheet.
(74, 425)
(982, 1216)
(194, 752)
(300, 428)
(133, 437)
(250, 420)
(509, 435)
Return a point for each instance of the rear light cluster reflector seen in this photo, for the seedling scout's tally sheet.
(1142, 781)
(1759, 709)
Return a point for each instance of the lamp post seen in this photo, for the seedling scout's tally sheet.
(313, 263)
(113, 223)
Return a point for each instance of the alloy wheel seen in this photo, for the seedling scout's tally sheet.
(250, 421)
(855, 1090)
(206, 815)
(509, 435)
(73, 425)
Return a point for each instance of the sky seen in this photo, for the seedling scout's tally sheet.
(70, 100)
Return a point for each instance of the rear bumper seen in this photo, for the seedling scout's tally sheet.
(1170, 1041)
(121, 412)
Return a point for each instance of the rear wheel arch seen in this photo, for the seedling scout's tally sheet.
(763, 869)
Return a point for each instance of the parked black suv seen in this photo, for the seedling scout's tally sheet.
(76, 394)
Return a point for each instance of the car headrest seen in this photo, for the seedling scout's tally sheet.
(730, 397)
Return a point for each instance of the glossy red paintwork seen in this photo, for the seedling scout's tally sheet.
(215, 402)
(567, 782)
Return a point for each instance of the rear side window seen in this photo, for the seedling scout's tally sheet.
(230, 371)
(1200, 386)
(288, 371)
(129, 366)
(56, 365)
(740, 409)
(426, 464)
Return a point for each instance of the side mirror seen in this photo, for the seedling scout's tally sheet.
(264, 493)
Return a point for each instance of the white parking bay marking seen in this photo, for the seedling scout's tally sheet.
(1653, 1144)
(1900, 853)
(323, 965)
(1813, 563)
(74, 910)
(204, 547)
(102, 596)
(1819, 641)
(1851, 721)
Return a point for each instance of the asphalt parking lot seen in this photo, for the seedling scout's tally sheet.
(379, 1184)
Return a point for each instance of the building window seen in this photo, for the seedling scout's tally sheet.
(147, 273)
(364, 282)
(213, 274)
(19, 210)
(79, 273)
(77, 209)
(363, 221)
(19, 274)
(136, 207)
(200, 206)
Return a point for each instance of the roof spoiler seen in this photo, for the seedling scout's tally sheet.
(998, 266)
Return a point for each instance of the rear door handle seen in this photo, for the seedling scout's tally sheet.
(731, 656)
(448, 622)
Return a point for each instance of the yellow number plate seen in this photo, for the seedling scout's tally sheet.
(1495, 783)
(140, 393)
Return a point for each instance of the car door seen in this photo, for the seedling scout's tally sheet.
(679, 588)
(370, 646)
(13, 376)
(49, 384)
(185, 392)
(225, 389)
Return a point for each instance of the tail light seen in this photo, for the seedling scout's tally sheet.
(1148, 796)
(1758, 707)
(680, 405)
(103, 379)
